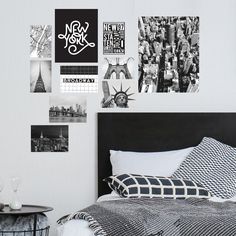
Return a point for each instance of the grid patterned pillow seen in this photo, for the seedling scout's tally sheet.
(213, 164)
(137, 186)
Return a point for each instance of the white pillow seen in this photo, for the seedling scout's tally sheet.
(110, 197)
(218, 199)
(147, 163)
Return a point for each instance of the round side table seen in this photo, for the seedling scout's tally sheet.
(27, 210)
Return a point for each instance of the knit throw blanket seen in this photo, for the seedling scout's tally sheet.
(159, 217)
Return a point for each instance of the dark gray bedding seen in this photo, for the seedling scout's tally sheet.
(165, 217)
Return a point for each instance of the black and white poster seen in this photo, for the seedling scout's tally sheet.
(76, 35)
(168, 54)
(49, 138)
(114, 38)
(40, 41)
(68, 108)
(118, 68)
(40, 76)
(117, 93)
(79, 79)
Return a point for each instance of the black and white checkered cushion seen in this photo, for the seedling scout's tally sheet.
(137, 186)
(213, 165)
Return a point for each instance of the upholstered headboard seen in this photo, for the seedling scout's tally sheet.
(157, 132)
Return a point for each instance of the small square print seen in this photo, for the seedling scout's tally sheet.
(118, 93)
(40, 76)
(114, 38)
(118, 68)
(76, 35)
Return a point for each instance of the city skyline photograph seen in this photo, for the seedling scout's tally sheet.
(49, 138)
(64, 108)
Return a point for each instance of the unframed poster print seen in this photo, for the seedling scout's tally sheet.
(168, 54)
(49, 138)
(40, 76)
(114, 38)
(118, 93)
(79, 79)
(40, 41)
(66, 108)
(76, 35)
(118, 68)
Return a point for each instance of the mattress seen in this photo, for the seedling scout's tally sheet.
(81, 227)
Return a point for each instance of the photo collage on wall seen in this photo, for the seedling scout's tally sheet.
(118, 83)
(76, 43)
(40, 58)
(168, 62)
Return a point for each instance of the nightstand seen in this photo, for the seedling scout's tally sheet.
(24, 211)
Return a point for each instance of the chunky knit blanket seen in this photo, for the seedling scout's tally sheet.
(159, 217)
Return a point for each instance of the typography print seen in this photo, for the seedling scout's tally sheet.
(49, 138)
(114, 38)
(68, 109)
(40, 41)
(76, 35)
(168, 54)
(79, 79)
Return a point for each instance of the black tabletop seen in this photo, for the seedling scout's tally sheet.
(25, 210)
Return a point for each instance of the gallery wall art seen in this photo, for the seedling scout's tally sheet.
(118, 68)
(79, 79)
(67, 109)
(168, 62)
(168, 54)
(76, 35)
(49, 138)
(114, 38)
(40, 41)
(117, 94)
(40, 76)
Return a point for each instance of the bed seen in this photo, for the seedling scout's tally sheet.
(156, 132)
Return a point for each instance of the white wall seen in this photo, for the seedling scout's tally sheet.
(67, 181)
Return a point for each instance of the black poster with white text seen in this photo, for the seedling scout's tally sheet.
(76, 35)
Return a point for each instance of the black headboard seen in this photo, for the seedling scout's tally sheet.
(157, 132)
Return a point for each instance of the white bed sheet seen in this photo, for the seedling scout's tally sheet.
(81, 227)
(75, 228)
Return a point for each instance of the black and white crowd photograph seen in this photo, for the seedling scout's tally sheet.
(49, 138)
(40, 41)
(66, 108)
(168, 51)
(40, 76)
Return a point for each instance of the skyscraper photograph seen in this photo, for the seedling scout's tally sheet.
(40, 76)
